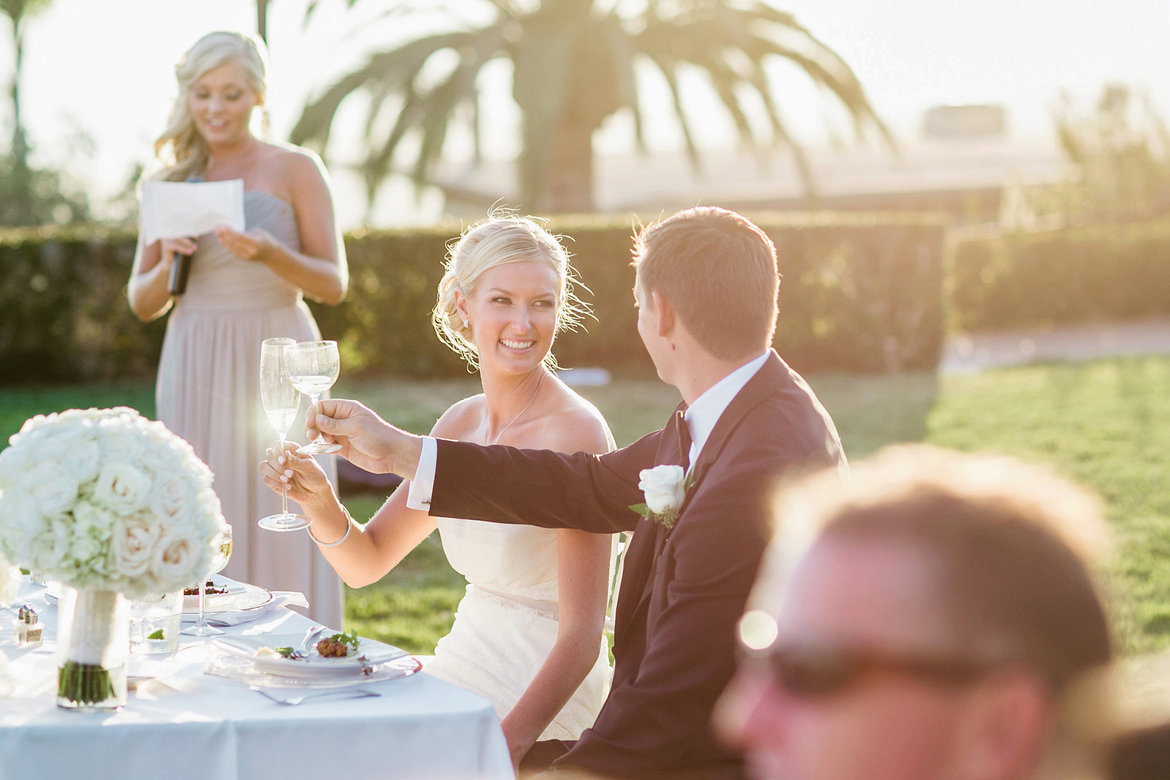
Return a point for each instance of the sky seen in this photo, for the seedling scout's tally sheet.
(106, 67)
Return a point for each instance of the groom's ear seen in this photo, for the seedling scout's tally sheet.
(666, 314)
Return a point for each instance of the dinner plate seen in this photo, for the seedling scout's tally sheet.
(235, 658)
(239, 596)
(370, 653)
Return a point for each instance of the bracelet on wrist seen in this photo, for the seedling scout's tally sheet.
(349, 524)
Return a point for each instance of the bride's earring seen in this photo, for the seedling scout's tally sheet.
(466, 323)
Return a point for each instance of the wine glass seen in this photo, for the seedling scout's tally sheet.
(313, 367)
(223, 551)
(281, 402)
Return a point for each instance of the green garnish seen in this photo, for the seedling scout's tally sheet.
(284, 652)
(156, 635)
(350, 638)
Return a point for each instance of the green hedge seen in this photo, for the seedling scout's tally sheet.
(63, 309)
(861, 292)
(1073, 275)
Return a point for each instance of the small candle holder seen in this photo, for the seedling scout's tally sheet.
(28, 631)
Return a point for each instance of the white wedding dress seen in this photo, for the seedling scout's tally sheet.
(506, 623)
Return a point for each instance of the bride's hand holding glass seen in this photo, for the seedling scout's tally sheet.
(296, 476)
(281, 402)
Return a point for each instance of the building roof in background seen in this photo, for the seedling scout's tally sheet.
(962, 148)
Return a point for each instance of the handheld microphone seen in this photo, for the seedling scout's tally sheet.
(182, 265)
(179, 271)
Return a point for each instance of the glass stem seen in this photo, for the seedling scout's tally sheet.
(313, 402)
(283, 493)
(202, 593)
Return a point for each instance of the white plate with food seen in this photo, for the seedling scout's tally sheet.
(289, 656)
(226, 595)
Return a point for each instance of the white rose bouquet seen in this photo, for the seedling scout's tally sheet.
(665, 489)
(107, 502)
(9, 581)
(104, 499)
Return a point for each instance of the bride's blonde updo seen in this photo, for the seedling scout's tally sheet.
(499, 239)
(180, 148)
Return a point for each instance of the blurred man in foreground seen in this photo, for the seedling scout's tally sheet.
(928, 621)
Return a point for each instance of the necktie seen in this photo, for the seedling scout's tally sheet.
(684, 440)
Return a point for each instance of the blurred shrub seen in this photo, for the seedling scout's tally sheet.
(1120, 152)
(64, 315)
(1073, 275)
(861, 292)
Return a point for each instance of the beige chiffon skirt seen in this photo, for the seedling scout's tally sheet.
(208, 393)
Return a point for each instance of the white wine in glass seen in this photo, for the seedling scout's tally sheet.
(281, 401)
(313, 367)
(223, 552)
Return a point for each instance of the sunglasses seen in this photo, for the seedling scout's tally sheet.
(819, 671)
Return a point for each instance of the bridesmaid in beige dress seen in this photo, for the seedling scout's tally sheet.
(242, 288)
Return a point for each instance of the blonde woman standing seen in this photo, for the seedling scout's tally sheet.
(528, 632)
(243, 287)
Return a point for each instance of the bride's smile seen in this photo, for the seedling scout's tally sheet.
(513, 315)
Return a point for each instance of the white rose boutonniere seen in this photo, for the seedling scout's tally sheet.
(665, 488)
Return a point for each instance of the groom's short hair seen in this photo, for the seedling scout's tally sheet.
(718, 270)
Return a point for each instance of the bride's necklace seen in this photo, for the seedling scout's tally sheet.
(531, 400)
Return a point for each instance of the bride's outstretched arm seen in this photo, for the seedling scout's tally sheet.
(360, 555)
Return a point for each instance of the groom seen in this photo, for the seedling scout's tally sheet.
(705, 288)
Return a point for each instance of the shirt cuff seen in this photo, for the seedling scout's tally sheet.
(423, 484)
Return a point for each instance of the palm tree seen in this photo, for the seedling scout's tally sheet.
(575, 63)
(262, 19)
(17, 11)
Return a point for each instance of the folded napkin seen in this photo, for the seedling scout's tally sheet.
(280, 599)
(174, 208)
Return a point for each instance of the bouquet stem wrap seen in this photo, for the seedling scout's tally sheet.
(92, 646)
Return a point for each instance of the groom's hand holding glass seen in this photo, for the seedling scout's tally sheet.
(366, 440)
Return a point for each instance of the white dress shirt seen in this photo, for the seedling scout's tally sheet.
(704, 413)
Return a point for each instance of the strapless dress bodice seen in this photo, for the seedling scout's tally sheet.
(220, 280)
(519, 561)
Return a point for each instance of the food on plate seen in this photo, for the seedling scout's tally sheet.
(337, 646)
(332, 648)
(208, 588)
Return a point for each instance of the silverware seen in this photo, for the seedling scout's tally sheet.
(310, 639)
(292, 701)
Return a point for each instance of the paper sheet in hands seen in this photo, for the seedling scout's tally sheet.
(177, 208)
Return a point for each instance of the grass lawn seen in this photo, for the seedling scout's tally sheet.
(1102, 423)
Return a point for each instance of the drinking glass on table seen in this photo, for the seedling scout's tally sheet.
(281, 401)
(313, 367)
(223, 551)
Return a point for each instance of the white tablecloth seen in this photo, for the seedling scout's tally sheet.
(187, 724)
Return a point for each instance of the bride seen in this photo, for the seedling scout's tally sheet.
(528, 631)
